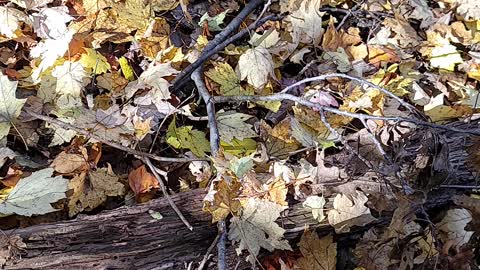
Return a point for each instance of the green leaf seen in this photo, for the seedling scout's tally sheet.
(239, 147)
(241, 166)
(225, 76)
(10, 106)
(213, 22)
(34, 194)
(187, 138)
(232, 125)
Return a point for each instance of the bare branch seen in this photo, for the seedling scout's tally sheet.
(118, 146)
(361, 81)
(302, 101)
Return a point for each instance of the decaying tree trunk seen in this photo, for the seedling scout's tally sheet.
(129, 238)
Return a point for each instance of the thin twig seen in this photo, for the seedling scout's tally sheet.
(207, 254)
(118, 146)
(376, 142)
(459, 187)
(214, 147)
(302, 101)
(165, 193)
(323, 77)
(212, 121)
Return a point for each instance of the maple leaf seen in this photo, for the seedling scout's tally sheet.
(315, 204)
(49, 51)
(94, 61)
(66, 163)
(279, 141)
(71, 78)
(241, 166)
(256, 65)
(348, 212)
(453, 227)
(254, 225)
(232, 125)
(307, 22)
(50, 22)
(317, 253)
(222, 198)
(214, 22)
(92, 189)
(153, 76)
(10, 19)
(225, 76)
(33, 194)
(10, 106)
(469, 9)
(141, 181)
(187, 138)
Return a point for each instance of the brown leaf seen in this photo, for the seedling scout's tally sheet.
(225, 199)
(12, 177)
(317, 253)
(66, 163)
(141, 181)
(90, 192)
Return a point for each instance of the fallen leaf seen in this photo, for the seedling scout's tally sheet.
(277, 192)
(94, 61)
(141, 181)
(71, 78)
(222, 199)
(214, 23)
(306, 22)
(232, 124)
(9, 21)
(317, 253)
(187, 138)
(49, 50)
(452, 227)
(315, 204)
(225, 76)
(50, 22)
(127, 70)
(256, 65)
(66, 163)
(34, 194)
(256, 222)
(10, 106)
(348, 212)
(91, 189)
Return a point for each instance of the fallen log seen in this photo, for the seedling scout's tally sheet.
(129, 238)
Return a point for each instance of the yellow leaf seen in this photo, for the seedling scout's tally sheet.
(186, 137)
(126, 68)
(239, 148)
(277, 192)
(445, 57)
(94, 61)
(224, 75)
(225, 201)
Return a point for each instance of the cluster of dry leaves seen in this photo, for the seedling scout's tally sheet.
(106, 67)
